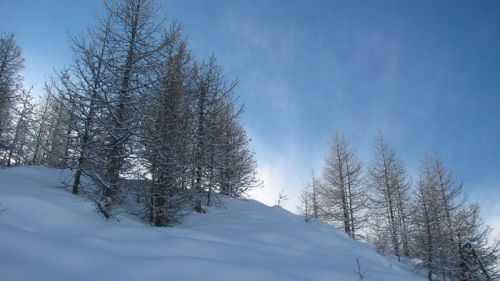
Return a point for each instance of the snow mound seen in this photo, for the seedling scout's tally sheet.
(46, 233)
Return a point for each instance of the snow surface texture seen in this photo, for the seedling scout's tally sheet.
(46, 233)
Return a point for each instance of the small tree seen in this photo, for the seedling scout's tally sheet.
(309, 201)
(282, 197)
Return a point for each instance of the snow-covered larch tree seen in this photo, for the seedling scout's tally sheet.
(342, 195)
(11, 63)
(389, 189)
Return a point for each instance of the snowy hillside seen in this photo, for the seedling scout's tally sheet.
(46, 233)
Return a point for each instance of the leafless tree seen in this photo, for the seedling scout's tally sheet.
(19, 146)
(342, 195)
(11, 63)
(309, 206)
(390, 186)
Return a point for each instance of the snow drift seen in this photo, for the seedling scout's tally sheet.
(46, 233)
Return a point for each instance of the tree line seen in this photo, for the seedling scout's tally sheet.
(134, 114)
(427, 221)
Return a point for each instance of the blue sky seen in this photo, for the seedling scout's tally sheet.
(427, 73)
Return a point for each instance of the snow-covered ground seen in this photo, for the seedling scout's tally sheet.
(46, 233)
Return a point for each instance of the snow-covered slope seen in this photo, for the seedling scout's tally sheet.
(46, 233)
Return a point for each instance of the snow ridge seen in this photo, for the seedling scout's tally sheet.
(46, 233)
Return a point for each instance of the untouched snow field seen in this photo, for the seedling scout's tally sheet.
(46, 233)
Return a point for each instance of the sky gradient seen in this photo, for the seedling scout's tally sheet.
(427, 73)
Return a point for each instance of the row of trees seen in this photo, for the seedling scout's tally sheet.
(427, 221)
(135, 115)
